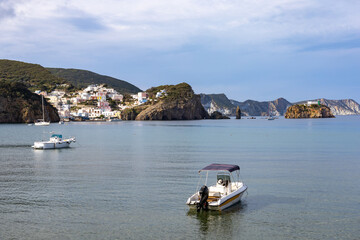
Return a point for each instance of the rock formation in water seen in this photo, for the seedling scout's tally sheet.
(218, 115)
(19, 105)
(179, 103)
(304, 111)
(238, 113)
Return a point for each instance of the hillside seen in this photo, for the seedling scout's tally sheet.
(217, 103)
(19, 105)
(82, 78)
(33, 76)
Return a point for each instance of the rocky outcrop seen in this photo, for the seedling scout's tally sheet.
(19, 105)
(238, 113)
(304, 111)
(180, 103)
(218, 115)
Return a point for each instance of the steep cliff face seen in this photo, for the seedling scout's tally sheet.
(342, 107)
(314, 111)
(19, 105)
(180, 103)
(217, 102)
(254, 108)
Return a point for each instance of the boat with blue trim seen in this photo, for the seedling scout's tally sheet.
(56, 141)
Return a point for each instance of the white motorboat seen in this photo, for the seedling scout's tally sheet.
(226, 192)
(41, 122)
(55, 141)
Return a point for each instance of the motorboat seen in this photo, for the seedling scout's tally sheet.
(41, 122)
(61, 122)
(56, 141)
(225, 193)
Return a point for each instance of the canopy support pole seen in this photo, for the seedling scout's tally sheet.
(207, 173)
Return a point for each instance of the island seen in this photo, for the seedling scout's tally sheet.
(309, 110)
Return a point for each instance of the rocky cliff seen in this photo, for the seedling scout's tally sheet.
(217, 103)
(254, 108)
(179, 103)
(313, 111)
(19, 105)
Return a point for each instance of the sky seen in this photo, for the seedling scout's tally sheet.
(247, 49)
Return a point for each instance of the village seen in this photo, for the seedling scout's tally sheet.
(95, 102)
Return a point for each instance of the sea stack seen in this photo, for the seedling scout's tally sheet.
(238, 113)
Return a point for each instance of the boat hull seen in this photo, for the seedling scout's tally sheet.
(224, 202)
(52, 145)
(42, 123)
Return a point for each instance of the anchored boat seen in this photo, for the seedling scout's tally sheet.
(226, 192)
(55, 141)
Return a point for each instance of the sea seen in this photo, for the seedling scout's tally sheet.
(131, 179)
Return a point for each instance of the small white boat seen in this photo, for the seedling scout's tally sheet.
(271, 118)
(226, 192)
(41, 122)
(55, 141)
(61, 122)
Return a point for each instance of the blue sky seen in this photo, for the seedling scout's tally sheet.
(247, 49)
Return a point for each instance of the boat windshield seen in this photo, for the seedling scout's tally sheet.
(57, 135)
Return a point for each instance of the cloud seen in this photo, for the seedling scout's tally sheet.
(171, 24)
(6, 9)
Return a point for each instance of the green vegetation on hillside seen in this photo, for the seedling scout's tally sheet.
(174, 92)
(33, 76)
(11, 89)
(82, 78)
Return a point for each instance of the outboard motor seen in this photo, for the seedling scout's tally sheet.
(204, 194)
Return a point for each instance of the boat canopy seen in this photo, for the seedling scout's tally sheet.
(57, 135)
(221, 167)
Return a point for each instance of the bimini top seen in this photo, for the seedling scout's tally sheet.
(221, 167)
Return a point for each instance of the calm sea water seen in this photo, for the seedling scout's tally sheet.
(130, 180)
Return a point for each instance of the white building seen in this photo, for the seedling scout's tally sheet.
(309, 103)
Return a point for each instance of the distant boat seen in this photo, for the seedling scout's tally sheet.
(41, 122)
(55, 142)
(61, 122)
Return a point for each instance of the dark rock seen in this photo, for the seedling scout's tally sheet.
(218, 115)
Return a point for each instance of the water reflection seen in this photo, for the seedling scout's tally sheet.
(218, 223)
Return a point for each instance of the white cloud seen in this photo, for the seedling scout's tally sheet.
(167, 24)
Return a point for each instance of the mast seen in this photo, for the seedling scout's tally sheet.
(42, 102)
